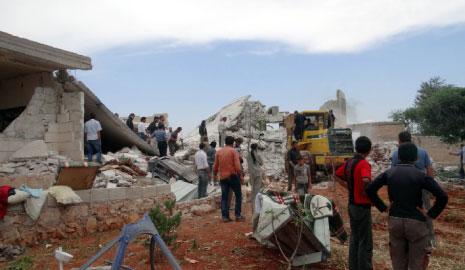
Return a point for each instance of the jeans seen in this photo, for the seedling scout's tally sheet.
(408, 243)
(142, 135)
(94, 146)
(301, 189)
(233, 183)
(462, 172)
(361, 238)
(162, 147)
(203, 183)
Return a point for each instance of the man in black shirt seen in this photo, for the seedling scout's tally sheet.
(129, 122)
(292, 159)
(408, 231)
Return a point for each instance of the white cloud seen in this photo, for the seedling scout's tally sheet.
(304, 25)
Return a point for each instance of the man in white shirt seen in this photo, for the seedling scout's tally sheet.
(203, 170)
(222, 130)
(92, 129)
(141, 128)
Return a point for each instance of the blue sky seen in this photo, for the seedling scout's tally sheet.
(193, 82)
(189, 58)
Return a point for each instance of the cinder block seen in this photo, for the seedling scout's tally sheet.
(99, 195)
(76, 116)
(65, 127)
(117, 194)
(84, 195)
(134, 193)
(53, 127)
(149, 191)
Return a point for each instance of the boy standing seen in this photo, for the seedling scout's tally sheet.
(355, 175)
(303, 177)
(408, 228)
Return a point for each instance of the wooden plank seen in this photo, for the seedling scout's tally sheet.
(77, 178)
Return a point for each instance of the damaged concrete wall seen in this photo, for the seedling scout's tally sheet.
(339, 107)
(51, 115)
(438, 150)
(101, 210)
(378, 131)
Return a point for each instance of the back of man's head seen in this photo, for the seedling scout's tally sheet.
(229, 140)
(363, 145)
(213, 144)
(408, 152)
(405, 136)
(92, 115)
(201, 146)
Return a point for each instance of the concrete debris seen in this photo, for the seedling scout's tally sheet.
(10, 252)
(166, 168)
(34, 149)
(380, 157)
(247, 119)
(184, 191)
(32, 166)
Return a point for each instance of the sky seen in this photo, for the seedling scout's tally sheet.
(190, 58)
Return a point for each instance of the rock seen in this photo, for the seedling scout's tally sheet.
(34, 149)
(202, 210)
(5, 169)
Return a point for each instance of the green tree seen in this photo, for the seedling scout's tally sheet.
(439, 110)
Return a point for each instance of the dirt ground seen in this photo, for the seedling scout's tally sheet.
(206, 243)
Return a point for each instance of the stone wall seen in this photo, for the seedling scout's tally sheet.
(52, 115)
(438, 150)
(378, 131)
(101, 210)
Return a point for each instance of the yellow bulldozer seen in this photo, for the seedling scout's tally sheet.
(324, 146)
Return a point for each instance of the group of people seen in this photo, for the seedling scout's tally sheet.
(156, 133)
(225, 167)
(410, 184)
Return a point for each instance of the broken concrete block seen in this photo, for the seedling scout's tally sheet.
(34, 149)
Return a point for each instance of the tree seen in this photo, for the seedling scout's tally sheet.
(439, 110)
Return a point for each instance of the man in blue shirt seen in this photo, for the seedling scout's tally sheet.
(160, 136)
(423, 164)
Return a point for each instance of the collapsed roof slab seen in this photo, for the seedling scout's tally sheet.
(115, 134)
(20, 56)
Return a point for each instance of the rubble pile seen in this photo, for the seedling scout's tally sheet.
(121, 169)
(380, 157)
(246, 119)
(33, 166)
(10, 252)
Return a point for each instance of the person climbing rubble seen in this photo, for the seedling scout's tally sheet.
(408, 228)
(92, 135)
(173, 141)
(222, 130)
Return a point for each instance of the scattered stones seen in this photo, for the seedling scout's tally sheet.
(10, 252)
(202, 210)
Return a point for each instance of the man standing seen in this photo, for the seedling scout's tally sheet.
(92, 129)
(211, 153)
(153, 126)
(172, 142)
(292, 158)
(129, 122)
(299, 123)
(460, 153)
(408, 229)
(355, 175)
(203, 170)
(423, 163)
(227, 166)
(203, 131)
(160, 136)
(141, 128)
(222, 130)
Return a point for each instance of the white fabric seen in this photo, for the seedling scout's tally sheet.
(201, 160)
(320, 207)
(64, 195)
(91, 128)
(141, 127)
(34, 206)
(19, 197)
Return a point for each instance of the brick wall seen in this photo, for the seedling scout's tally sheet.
(101, 210)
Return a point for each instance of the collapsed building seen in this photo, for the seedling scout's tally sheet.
(42, 113)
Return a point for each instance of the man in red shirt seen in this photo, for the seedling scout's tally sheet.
(228, 167)
(355, 175)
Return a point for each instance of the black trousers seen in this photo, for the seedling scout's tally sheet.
(163, 148)
(361, 238)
